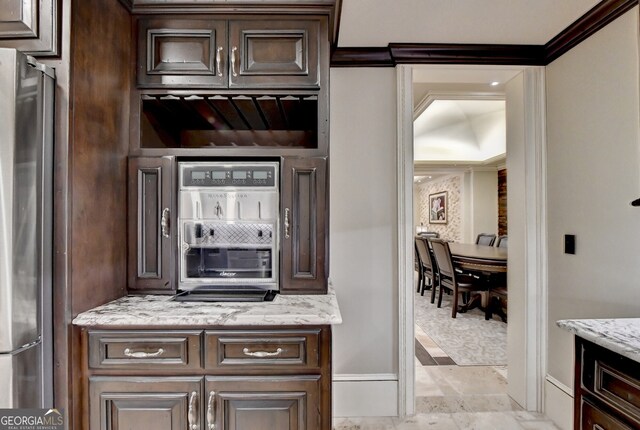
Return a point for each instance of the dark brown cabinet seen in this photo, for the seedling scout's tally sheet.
(304, 217)
(151, 220)
(267, 403)
(159, 403)
(262, 379)
(607, 389)
(30, 26)
(216, 52)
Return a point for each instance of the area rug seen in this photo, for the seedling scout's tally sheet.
(468, 339)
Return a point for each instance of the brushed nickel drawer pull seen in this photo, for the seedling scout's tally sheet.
(262, 354)
(286, 223)
(211, 411)
(233, 61)
(192, 416)
(141, 354)
(164, 222)
(218, 60)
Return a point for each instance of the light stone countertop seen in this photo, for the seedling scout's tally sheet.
(621, 335)
(161, 311)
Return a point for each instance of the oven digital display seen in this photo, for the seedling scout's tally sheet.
(218, 174)
(239, 174)
(198, 176)
(259, 175)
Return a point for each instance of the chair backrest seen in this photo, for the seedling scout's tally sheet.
(442, 256)
(423, 252)
(502, 241)
(485, 239)
(429, 234)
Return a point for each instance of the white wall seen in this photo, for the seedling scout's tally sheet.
(593, 174)
(364, 243)
(484, 195)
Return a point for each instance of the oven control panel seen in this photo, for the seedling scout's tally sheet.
(228, 175)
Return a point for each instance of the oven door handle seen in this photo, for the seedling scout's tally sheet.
(164, 222)
(286, 223)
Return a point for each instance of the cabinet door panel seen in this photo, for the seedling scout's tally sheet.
(275, 53)
(30, 26)
(178, 53)
(164, 403)
(304, 237)
(241, 403)
(151, 214)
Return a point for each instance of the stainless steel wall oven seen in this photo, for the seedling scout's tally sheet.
(228, 218)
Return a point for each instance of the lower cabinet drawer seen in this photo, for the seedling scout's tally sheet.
(593, 418)
(612, 379)
(144, 350)
(262, 350)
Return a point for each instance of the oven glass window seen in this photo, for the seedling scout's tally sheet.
(228, 263)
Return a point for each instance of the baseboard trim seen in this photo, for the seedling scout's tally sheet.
(558, 403)
(365, 395)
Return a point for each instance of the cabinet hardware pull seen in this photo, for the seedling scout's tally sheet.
(211, 412)
(164, 222)
(262, 354)
(192, 415)
(233, 61)
(286, 223)
(219, 60)
(141, 354)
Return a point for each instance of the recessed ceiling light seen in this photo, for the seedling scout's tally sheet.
(429, 177)
(495, 83)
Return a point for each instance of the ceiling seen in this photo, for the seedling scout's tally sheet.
(529, 22)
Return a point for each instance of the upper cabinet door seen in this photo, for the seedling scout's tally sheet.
(304, 239)
(30, 26)
(274, 53)
(182, 53)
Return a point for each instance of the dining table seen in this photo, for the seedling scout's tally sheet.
(484, 260)
(479, 258)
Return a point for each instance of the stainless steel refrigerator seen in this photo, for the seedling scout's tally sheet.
(26, 188)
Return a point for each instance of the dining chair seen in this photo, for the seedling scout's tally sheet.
(426, 265)
(429, 234)
(485, 239)
(502, 241)
(448, 278)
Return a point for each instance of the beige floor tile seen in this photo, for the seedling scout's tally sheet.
(439, 377)
(469, 380)
(490, 403)
(366, 423)
(427, 421)
(441, 404)
(486, 421)
(425, 385)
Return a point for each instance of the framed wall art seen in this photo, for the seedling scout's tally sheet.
(438, 208)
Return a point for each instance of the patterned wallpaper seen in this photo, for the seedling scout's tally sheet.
(452, 230)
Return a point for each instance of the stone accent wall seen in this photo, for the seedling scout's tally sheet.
(452, 230)
(502, 202)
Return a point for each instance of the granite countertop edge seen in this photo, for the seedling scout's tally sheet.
(161, 312)
(620, 335)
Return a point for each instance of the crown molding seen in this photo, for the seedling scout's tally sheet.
(454, 95)
(454, 53)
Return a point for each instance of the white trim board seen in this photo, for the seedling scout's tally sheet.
(371, 395)
(558, 403)
(532, 311)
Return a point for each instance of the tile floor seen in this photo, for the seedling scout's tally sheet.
(450, 397)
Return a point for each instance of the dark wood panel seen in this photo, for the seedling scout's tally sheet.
(304, 235)
(275, 53)
(181, 52)
(144, 350)
(264, 403)
(239, 351)
(161, 403)
(502, 202)
(152, 215)
(32, 26)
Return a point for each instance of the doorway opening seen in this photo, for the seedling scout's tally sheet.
(523, 90)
